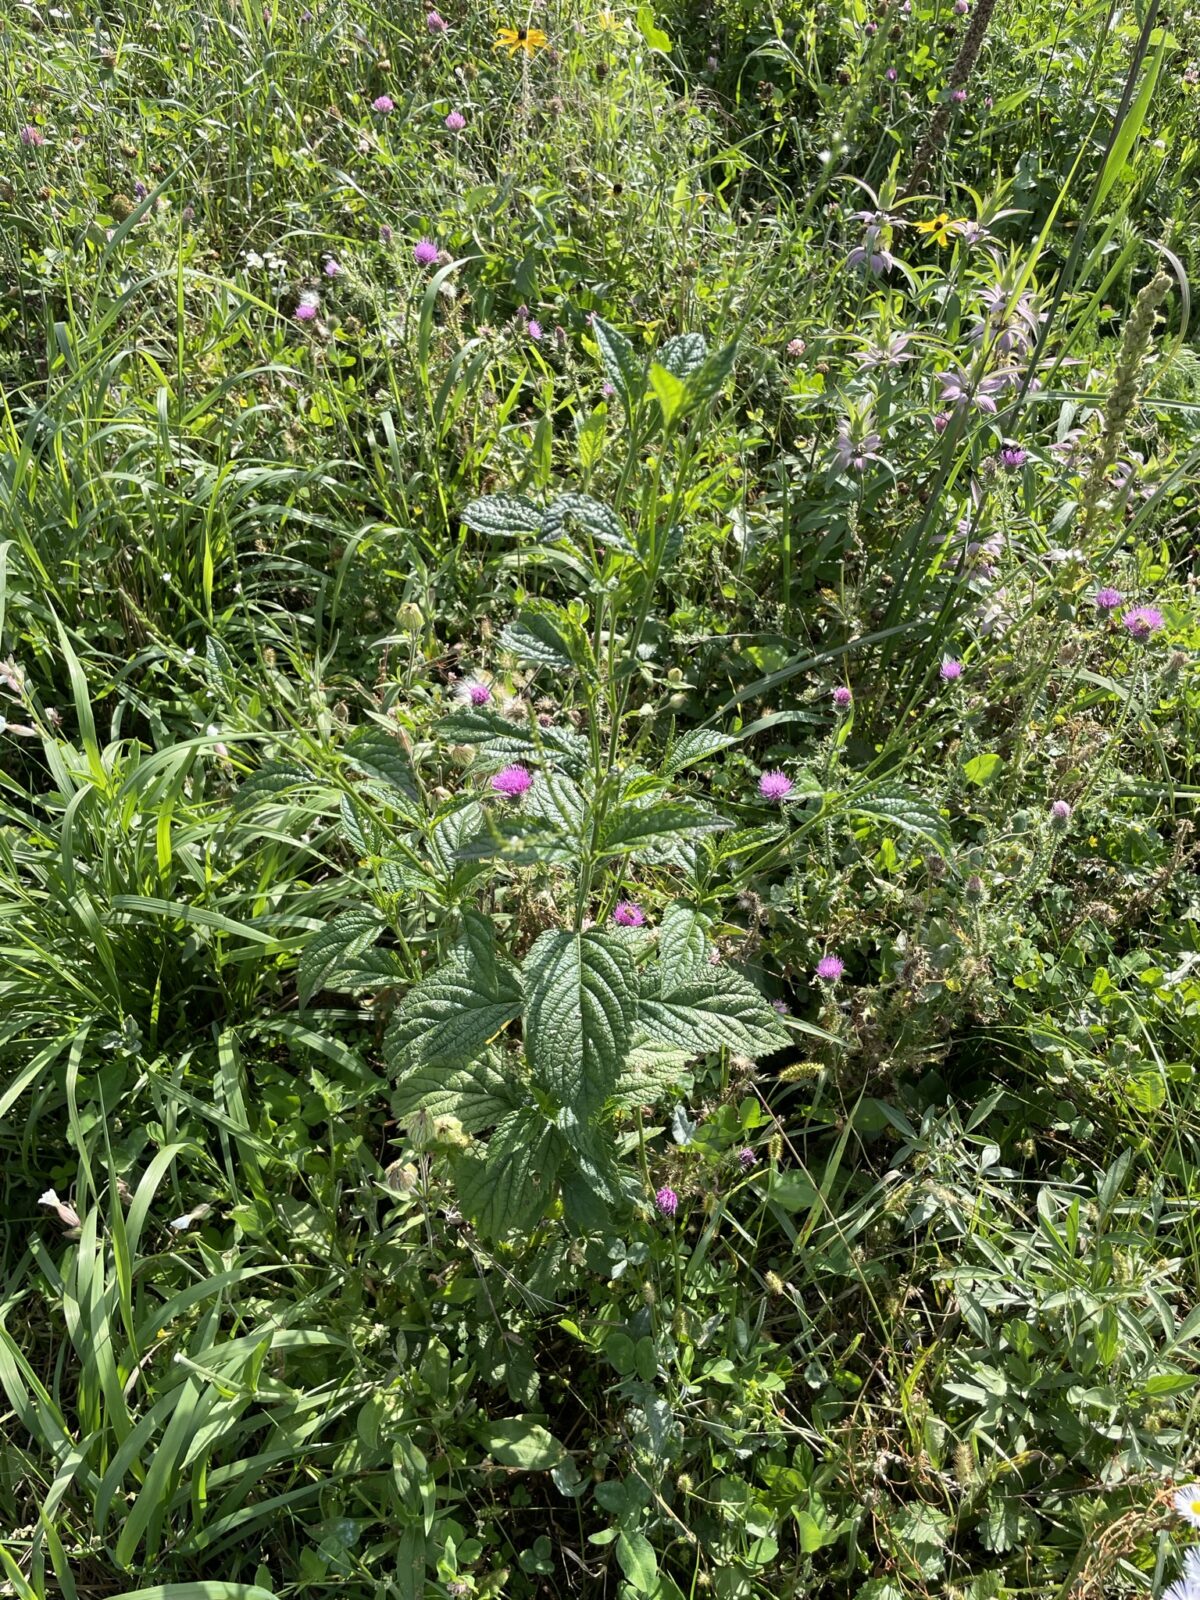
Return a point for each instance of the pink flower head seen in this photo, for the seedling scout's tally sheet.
(950, 670)
(32, 135)
(830, 968)
(629, 914)
(456, 122)
(436, 23)
(842, 698)
(774, 785)
(306, 310)
(475, 692)
(384, 104)
(1108, 599)
(1012, 457)
(959, 97)
(333, 268)
(425, 252)
(781, 1006)
(796, 348)
(667, 1201)
(534, 329)
(941, 422)
(512, 780)
(1141, 621)
(891, 74)
(1060, 815)
(747, 1158)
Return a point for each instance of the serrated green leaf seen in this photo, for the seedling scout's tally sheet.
(535, 640)
(581, 1002)
(709, 378)
(683, 354)
(479, 1095)
(591, 433)
(621, 365)
(704, 1008)
(570, 515)
(522, 1442)
(450, 1016)
(386, 763)
(333, 947)
(697, 744)
(904, 809)
(682, 941)
(275, 779)
(631, 829)
(650, 1070)
(508, 741)
(509, 1187)
(556, 799)
(502, 516)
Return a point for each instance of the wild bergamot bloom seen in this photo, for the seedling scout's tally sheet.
(942, 228)
(1187, 1503)
(513, 39)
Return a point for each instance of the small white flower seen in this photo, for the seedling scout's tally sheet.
(212, 730)
(1191, 1563)
(196, 1214)
(1182, 1589)
(253, 259)
(66, 1214)
(1187, 1503)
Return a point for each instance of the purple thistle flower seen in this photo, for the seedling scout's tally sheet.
(384, 104)
(425, 252)
(891, 74)
(782, 1007)
(456, 122)
(32, 135)
(1142, 621)
(830, 968)
(475, 692)
(1060, 815)
(774, 785)
(628, 914)
(512, 780)
(747, 1158)
(1012, 457)
(667, 1201)
(950, 670)
(385, 234)
(534, 329)
(1108, 599)
(607, 390)
(959, 97)
(436, 23)
(307, 309)
(842, 698)
(333, 268)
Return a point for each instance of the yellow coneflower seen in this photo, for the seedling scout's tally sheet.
(942, 228)
(514, 39)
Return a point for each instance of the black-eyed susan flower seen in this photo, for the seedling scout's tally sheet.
(513, 39)
(942, 228)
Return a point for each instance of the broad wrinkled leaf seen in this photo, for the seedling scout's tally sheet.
(682, 941)
(275, 779)
(650, 1070)
(502, 516)
(510, 741)
(556, 799)
(581, 1002)
(573, 516)
(333, 947)
(697, 744)
(479, 1095)
(629, 830)
(509, 1186)
(385, 761)
(684, 354)
(904, 809)
(535, 640)
(703, 1008)
(450, 1016)
(622, 367)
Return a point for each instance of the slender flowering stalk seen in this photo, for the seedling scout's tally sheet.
(964, 62)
